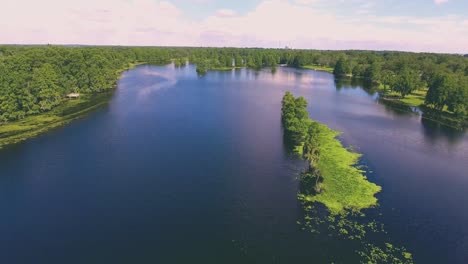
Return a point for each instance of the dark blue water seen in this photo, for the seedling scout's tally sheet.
(182, 169)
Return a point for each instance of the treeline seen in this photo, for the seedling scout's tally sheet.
(444, 76)
(34, 79)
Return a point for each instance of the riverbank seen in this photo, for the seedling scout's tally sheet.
(32, 126)
(416, 100)
(415, 103)
(66, 112)
(224, 68)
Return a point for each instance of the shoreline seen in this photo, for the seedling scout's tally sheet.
(413, 101)
(426, 113)
(33, 126)
(69, 110)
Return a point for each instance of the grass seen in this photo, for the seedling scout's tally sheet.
(318, 68)
(32, 126)
(416, 98)
(224, 68)
(344, 186)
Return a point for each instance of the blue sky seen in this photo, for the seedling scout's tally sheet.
(418, 8)
(417, 25)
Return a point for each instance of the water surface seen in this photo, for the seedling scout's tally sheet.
(183, 169)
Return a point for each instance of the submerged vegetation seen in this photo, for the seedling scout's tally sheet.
(334, 191)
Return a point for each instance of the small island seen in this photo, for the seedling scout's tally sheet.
(332, 177)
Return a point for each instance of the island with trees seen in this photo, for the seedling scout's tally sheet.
(332, 179)
(332, 176)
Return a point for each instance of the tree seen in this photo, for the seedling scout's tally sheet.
(44, 84)
(239, 61)
(439, 90)
(341, 68)
(387, 78)
(458, 98)
(406, 82)
(202, 67)
(372, 72)
(295, 117)
(298, 61)
(228, 61)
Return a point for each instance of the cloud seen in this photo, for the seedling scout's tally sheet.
(272, 23)
(439, 2)
(225, 13)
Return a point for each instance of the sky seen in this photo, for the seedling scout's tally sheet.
(409, 25)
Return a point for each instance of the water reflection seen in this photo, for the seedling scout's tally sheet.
(434, 131)
(199, 172)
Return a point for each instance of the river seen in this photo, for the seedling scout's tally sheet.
(186, 169)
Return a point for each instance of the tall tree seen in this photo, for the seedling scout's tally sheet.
(341, 67)
(406, 82)
(44, 84)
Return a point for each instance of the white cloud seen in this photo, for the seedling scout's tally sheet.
(439, 2)
(225, 13)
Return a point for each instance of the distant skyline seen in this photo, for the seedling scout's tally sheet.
(417, 25)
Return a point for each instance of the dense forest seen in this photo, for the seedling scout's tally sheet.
(34, 79)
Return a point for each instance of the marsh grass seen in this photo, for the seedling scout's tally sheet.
(344, 186)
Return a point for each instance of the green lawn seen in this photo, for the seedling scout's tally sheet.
(416, 98)
(318, 68)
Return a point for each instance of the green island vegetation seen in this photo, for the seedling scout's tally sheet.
(35, 79)
(337, 182)
(334, 181)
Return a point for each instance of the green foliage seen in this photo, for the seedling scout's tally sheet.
(96, 69)
(202, 67)
(406, 82)
(318, 68)
(17, 131)
(344, 186)
(387, 78)
(450, 91)
(342, 67)
(334, 180)
(373, 72)
(34, 79)
(339, 184)
(439, 89)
